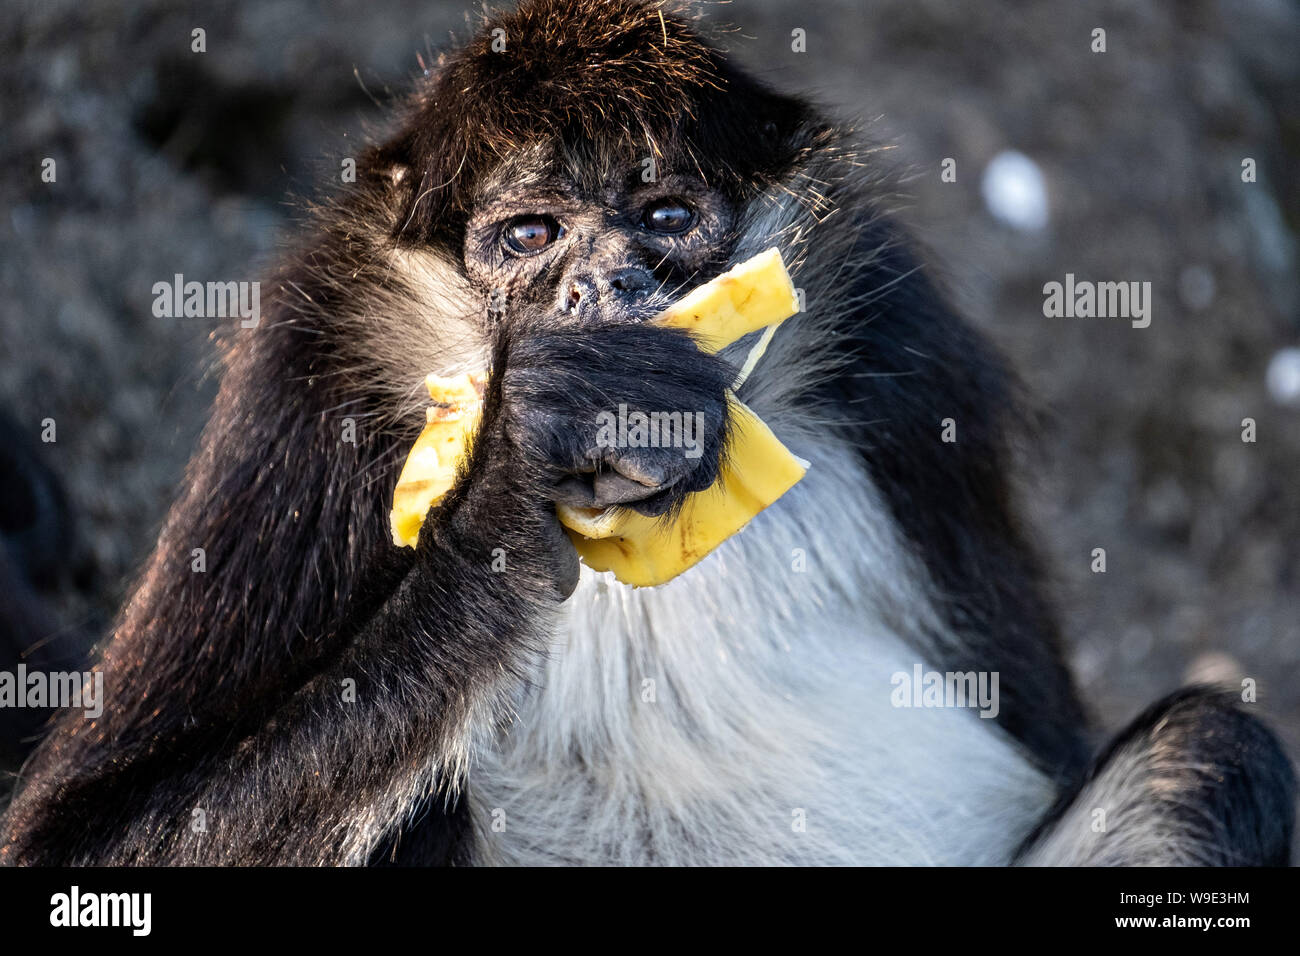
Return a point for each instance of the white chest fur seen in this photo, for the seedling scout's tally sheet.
(742, 713)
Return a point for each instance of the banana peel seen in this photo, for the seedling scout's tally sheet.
(430, 469)
(640, 551)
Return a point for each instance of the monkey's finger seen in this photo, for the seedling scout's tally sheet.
(648, 470)
(565, 566)
(612, 488)
(574, 490)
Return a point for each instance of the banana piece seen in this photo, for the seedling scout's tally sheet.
(430, 468)
(755, 294)
(640, 551)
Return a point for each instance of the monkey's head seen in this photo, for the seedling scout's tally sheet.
(581, 159)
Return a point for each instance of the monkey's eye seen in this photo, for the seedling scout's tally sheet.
(668, 216)
(525, 235)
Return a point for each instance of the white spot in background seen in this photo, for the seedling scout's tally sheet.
(1015, 192)
(1196, 287)
(1283, 377)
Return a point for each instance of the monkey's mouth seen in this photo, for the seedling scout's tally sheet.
(626, 480)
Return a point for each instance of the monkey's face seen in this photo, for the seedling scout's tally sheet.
(594, 167)
(548, 235)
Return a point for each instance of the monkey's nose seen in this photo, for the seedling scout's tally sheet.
(616, 287)
(578, 293)
(631, 281)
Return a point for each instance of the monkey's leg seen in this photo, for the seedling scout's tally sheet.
(1193, 781)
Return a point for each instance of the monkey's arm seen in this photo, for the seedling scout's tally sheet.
(299, 769)
(369, 728)
(320, 781)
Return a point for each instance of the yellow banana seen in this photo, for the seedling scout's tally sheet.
(640, 551)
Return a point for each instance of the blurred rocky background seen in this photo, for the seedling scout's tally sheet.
(169, 161)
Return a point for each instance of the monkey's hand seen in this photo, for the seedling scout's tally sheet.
(630, 415)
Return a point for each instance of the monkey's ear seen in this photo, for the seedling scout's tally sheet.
(389, 164)
(389, 175)
(396, 175)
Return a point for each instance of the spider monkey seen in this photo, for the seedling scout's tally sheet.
(320, 696)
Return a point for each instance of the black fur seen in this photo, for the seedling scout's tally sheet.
(1211, 781)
